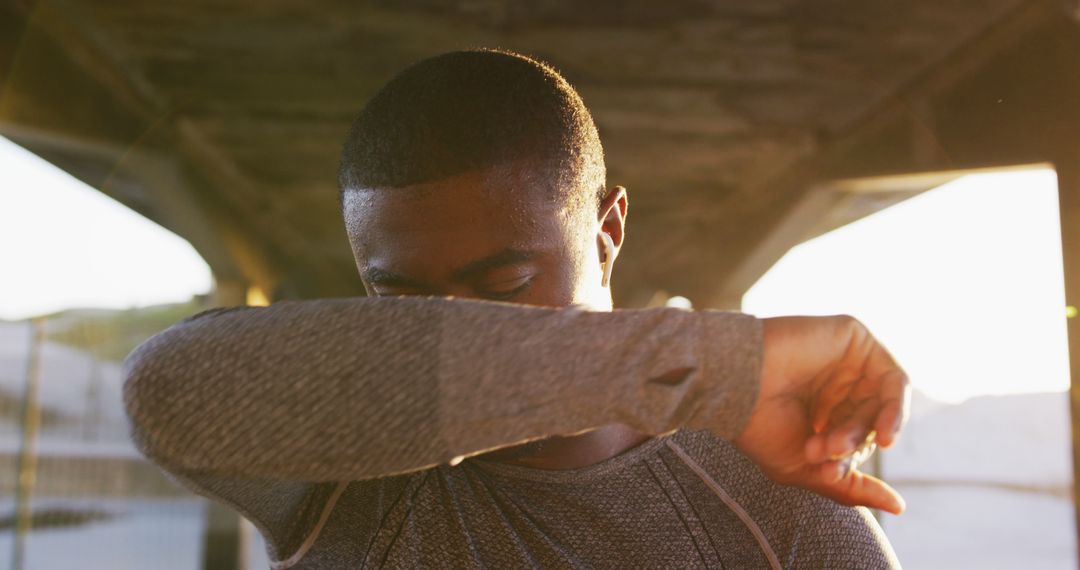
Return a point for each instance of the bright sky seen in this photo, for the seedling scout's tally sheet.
(963, 284)
(64, 244)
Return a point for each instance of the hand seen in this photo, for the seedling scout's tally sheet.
(825, 383)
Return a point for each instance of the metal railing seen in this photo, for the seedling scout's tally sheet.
(74, 491)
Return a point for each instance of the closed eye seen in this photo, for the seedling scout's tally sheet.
(507, 289)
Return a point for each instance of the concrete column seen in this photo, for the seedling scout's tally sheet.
(1068, 172)
(225, 539)
(228, 293)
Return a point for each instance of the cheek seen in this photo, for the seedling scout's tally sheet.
(551, 290)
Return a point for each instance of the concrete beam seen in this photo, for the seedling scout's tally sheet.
(898, 136)
(98, 121)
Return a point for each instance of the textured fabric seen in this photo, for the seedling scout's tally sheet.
(332, 425)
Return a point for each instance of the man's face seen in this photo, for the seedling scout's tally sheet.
(488, 234)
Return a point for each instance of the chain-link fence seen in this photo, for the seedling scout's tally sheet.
(74, 492)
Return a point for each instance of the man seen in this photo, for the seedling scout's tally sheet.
(491, 409)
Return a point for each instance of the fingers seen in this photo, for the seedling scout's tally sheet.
(823, 447)
(832, 395)
(844, 385)
(831, 472)
(838, 382)
(884, 383)
(859, 489)
(846, 437)
(851, 433)
(815, 448)
(896, 392)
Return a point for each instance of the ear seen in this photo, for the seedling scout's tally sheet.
(612, 216)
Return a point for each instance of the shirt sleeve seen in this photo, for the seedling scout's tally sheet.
(353, 388)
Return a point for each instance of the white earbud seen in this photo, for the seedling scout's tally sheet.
(609, 258)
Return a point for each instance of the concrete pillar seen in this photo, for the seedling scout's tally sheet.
(228, 293)
(225, 539)
(1068, 172)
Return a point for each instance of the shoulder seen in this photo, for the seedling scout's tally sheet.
(826, 534)
(803, 529)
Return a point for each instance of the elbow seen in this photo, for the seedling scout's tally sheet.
(160, 394)
(147, 392)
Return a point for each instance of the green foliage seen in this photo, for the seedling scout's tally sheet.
(112, 335)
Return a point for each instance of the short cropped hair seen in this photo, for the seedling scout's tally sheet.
(470, 110)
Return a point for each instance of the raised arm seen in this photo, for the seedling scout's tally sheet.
(352, 388)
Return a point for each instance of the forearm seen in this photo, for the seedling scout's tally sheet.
(352, 388)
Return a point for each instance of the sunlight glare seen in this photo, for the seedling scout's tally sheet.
(66, 245)
(963, 284)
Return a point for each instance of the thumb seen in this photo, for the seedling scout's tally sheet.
(857, 489)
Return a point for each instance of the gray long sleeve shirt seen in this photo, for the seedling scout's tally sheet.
(339, 428)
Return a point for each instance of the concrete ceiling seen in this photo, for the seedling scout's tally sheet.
(223, 120)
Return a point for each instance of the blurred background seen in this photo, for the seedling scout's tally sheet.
(915, 165)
